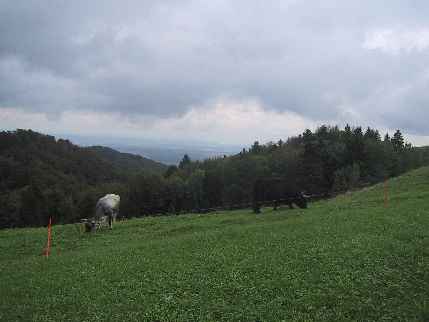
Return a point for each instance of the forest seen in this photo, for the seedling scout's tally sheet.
(42, 177)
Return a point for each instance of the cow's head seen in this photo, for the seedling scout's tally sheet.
(301, 200)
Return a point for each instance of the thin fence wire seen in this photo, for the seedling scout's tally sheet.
(247, 205)
(264, 203)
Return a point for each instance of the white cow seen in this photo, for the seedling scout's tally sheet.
(108, 206)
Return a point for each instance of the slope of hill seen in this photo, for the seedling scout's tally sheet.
(24, 153)
(41, 176)
(127, 162)
(346, 259)
(172, 154)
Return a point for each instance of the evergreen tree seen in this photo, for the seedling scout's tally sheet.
(386, 138)
(185, 162)
(256, 147)
(196, 188)
(398, 141)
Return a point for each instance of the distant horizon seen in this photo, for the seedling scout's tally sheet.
(97, 139)
(169, 152)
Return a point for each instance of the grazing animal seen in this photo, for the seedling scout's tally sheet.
(279, 191)
(107, 208)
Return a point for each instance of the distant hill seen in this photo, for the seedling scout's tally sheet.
(126, 161)
(41, 176)
(172, 155)
(168, 152)
(26, 155)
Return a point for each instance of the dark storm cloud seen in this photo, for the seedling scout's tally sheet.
(324, 60)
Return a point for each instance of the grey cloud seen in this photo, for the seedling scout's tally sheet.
(161, 58)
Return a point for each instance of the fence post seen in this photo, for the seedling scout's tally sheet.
(48, 245)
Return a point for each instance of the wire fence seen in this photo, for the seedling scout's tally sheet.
(263, 203)
(81, 226)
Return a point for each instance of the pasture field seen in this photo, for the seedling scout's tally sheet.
(345, 259)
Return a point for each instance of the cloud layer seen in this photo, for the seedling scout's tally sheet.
(223, 122)
(191, 68)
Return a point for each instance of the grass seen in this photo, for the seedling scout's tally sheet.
(346, 259)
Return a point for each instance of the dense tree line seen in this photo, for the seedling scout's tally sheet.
(42, 177)
(321, 162)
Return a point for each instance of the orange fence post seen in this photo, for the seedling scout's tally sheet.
(48, 245)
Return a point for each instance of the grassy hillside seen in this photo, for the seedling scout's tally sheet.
(340, 260)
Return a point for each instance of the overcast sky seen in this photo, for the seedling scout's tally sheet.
(227, 72)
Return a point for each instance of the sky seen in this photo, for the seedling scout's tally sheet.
(224, 72)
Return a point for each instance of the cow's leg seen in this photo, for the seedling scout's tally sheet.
(276, 204)
(256, 208)
(290, 205)
(110, 221)
(93, 226)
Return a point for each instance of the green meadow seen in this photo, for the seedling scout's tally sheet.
(345, 259)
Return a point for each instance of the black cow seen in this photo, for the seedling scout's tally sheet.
(277, 191)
